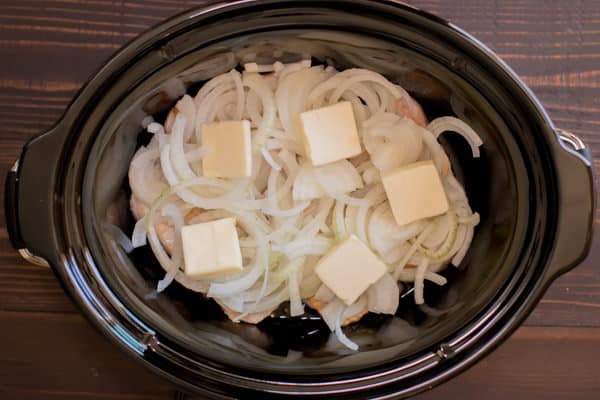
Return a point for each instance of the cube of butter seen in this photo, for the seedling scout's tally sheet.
(211, 249)
(329, 133)
(349, 268)
(415, 191)
(229, 149)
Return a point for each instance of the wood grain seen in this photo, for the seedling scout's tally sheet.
(49, 48)
(89, 365)
(533, 364)
(91, 368)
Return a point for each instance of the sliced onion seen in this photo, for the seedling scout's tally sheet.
(269, 303)
(334, 179)
(272, 189)
(274, 280)
(172, 212)
(196, 154)
(186, 108)
(342, 81)
(262, 89)
(255, 294)
(437, 153)
(265, 282)
(330, 312)
(420, 281)
(155, 127)
(118, 235)
(355, 309)
(462, 251)
(444, 226)
(270, 160)
(385, 234)
(350, 219)
(306, 186)
(297, 209)
(371, 176)
(409, 275)
(234, 287)
(447, 247)
(338, 221)
(471, 220)
(394, 143)
(210, 104)
(304, 246)
(147, 120)
(316, 222)
(443, 124)
(176, 147)
(296, 305)
(235, 303)
(167, 167)
(145, 175)
(292, 94)
(396, 253)
(239, 89)
(415, 245)
(338, 178)
(384, 296)
(250, 274)
(339, 332)
(138, 238)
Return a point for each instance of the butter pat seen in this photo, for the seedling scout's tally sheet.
(211, 249)
(415, 191)
(229, 149)
(349, 268)
(330, 133)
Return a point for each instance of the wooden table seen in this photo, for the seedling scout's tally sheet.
(49, 48)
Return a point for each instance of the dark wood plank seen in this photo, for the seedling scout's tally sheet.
(526, 366)
(62, 356)
(574, 298)
(544, 363)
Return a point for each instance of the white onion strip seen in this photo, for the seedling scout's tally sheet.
(296, 306)
(138, 237)
(420, 281)
(413, 248)
(443, 124)
(270, 160)
(119, 237)
(286, 213)
(172, 212)
(339, 332)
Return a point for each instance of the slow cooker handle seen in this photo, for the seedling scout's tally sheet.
(577, 203)
(29, 196)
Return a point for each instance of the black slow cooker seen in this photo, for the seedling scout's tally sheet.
(532, 185)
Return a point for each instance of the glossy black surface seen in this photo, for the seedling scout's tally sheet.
(534, 196)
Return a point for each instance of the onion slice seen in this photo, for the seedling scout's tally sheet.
(443, 124)
(339, 332)
(383, 296)
(138, 237)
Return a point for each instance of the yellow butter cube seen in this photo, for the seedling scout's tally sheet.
(415, 191)
(211, 249)
(330, 133)
(229, 149)
(349, 268)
